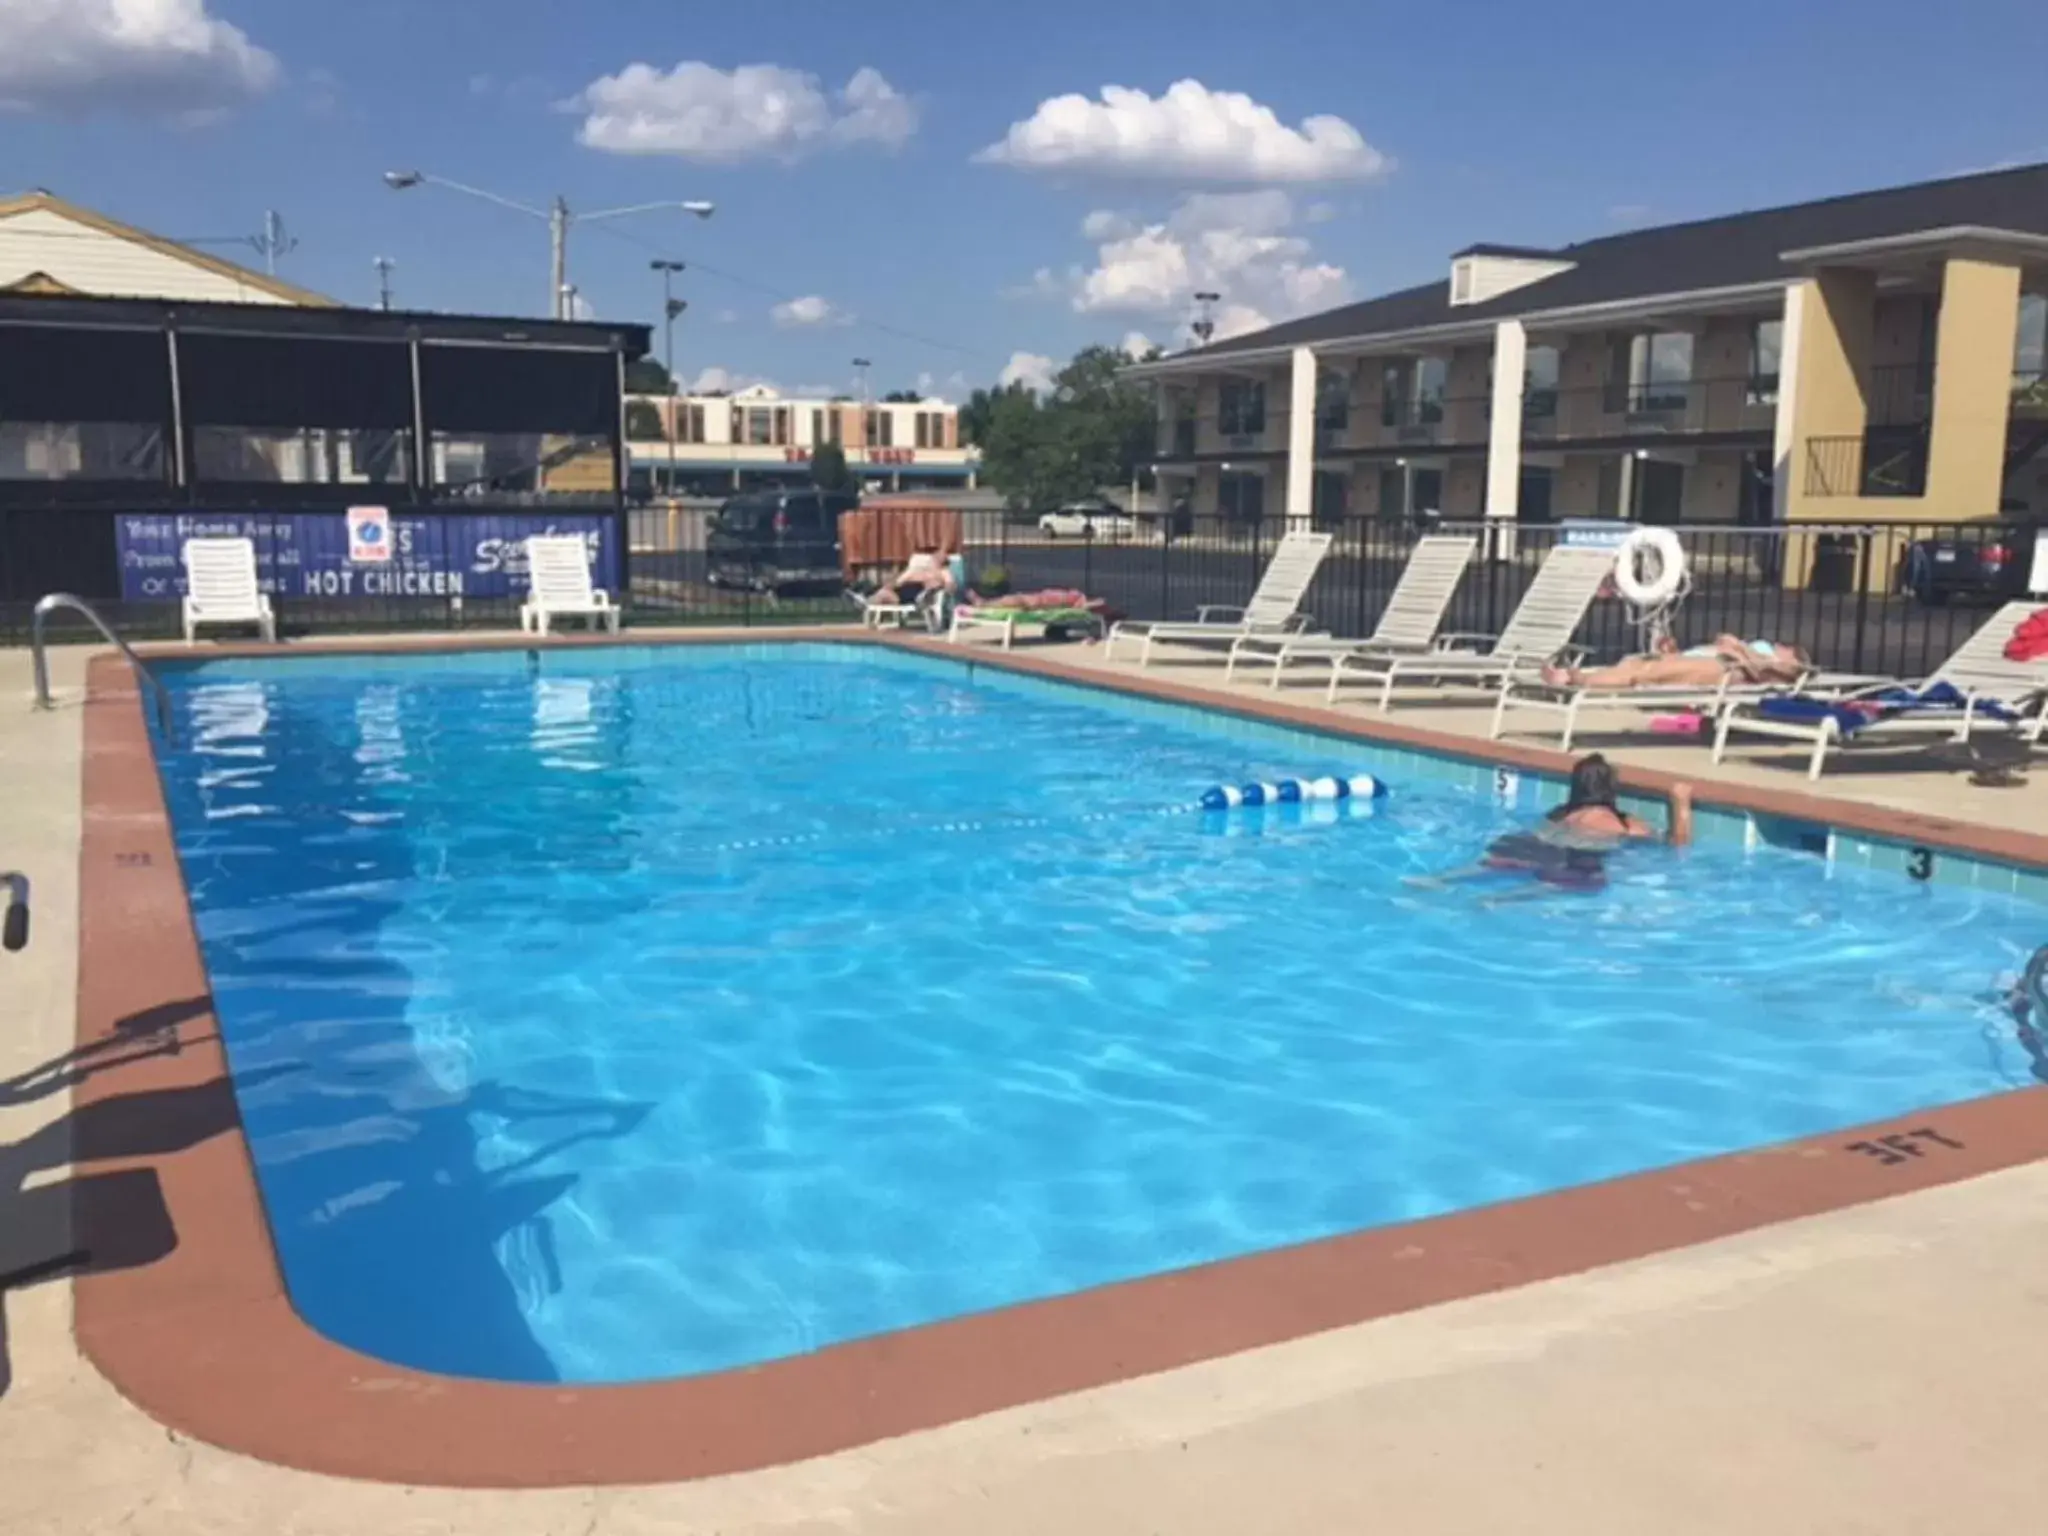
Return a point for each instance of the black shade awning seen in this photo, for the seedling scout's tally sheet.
(69, 373)
(519, 389)
(269, 381)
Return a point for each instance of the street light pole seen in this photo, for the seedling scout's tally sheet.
(671, 307)
(558, 216)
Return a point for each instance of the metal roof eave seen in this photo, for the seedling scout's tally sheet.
(1956, 239)
(1642, 306)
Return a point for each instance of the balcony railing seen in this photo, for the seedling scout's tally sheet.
(1617, 408)
(1885, 463)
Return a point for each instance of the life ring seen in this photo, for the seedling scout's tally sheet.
(1661, 587)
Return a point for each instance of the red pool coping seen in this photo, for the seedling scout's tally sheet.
(206, 1340)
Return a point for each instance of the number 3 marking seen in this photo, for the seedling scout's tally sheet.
(1920, 863)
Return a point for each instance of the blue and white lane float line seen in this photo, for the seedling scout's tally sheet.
(1230, 797)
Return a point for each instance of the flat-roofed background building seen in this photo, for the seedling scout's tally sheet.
(757, 437)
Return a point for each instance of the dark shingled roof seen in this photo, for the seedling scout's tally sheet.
(1726, 252)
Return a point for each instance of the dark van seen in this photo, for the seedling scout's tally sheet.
(769, 541)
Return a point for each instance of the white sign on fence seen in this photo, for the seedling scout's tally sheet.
(369, 535)
(2037, 577)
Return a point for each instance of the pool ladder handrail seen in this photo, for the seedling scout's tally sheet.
(48, 605)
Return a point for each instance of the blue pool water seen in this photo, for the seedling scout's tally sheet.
(640, 1013)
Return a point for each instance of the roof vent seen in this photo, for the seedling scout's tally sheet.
(1479, 275)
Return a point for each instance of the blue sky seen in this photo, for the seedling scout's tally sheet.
(1298, 162)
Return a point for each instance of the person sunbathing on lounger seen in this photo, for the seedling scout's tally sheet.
(1702, 666)
(927, 571)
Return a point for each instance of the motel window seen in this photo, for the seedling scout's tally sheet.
(1659, 367)
(923, 426)
(1766, 339)
(760, 426)
(1430, 377)
(1539, 382)
(2030, 345)
(1333, 399)
(881, 429)
(1241, 408)
(782, 426)
(693, 424)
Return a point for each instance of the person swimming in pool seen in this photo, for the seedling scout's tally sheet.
(1703, 666)
(1568, 852)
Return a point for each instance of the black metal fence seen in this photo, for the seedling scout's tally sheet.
(1893, 598)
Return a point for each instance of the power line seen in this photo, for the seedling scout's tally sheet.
(781, 297)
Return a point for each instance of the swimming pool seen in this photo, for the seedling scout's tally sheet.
(624, 1014)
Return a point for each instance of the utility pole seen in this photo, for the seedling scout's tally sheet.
(861, 365)
(558, 243)
(671, 308)
(1204, 325)
(383, 264)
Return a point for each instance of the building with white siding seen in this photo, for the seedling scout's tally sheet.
(49, 246)
(758, 438)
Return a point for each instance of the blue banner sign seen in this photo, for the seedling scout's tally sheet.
(306, 554)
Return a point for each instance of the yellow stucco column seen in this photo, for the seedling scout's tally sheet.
(1973, 349)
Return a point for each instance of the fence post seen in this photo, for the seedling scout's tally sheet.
(1868, 539)
(1165, 573)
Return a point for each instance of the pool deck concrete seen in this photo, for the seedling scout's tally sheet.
(1874, 1369)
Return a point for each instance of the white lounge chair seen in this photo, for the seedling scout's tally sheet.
(1520, 692)
(221, 588)
(1407, 624)
(1540, 628)
(1978, 672)
(1274, 608)
(558, 571)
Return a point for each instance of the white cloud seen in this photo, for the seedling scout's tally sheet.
(1238, 244)
(1028, 368)
(579, 308)
(754, 112)
(811, 309)
(169, 56)
(722, 381)
(1189, 133)
(1107, 224)
(925, 384)
(727, 317)
(1136, 345)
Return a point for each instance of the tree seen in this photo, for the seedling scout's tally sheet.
(643, 420)
(1093, 428)
(828, 468)
(902, 397)
(645, 376)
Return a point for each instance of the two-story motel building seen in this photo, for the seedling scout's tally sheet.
(1874, 357)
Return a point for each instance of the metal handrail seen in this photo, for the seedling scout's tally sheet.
(41, 662)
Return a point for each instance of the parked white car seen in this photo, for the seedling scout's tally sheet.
(1078, 522)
